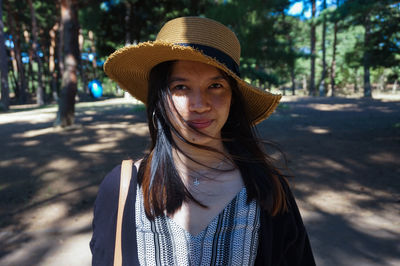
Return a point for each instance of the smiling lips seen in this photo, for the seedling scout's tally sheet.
(200, 123)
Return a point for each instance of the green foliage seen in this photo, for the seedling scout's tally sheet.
(274, 44)
(265, 34)
(383, 19)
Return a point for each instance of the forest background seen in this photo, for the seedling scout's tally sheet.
(51, 50)
(343, 151)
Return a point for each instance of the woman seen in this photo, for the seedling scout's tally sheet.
(206, 193)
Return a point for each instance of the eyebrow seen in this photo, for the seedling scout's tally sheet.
(177, 78)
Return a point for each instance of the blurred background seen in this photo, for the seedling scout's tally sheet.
(64, 124)
(319, 48)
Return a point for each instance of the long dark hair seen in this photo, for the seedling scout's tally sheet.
(164, 190)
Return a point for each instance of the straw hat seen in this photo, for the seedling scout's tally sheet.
(187, 38)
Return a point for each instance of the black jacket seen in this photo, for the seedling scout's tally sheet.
(283, 239)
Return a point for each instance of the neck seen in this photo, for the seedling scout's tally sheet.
(191, 157)
(197, 159)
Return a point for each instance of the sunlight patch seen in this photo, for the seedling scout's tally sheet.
(384, 157)
(96, 147)
(336, 202)
(34, 133)
(47, 215)
(335, 107)
(328, 163)
(30, 143)
(73, 251)
(318, 130)
(61, 163)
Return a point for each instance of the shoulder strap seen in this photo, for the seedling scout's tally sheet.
(126, 174)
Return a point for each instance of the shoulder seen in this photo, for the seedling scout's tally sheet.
(105, 216)
(112, 177)
(292, 208)
(283, 237)
(110, 185)
(104, 222)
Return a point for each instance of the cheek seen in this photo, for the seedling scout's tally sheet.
(180, 103)
(178, 106)
(223, 104)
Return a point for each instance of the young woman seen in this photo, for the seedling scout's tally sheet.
(206, 193)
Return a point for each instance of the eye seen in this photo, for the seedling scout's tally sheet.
(216, 86)
(179, 87)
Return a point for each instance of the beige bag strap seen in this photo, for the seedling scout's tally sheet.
(126, 174)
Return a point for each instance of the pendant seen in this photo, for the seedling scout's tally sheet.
(196, 182)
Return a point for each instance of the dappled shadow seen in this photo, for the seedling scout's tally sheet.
(338, 241)
(49, 177)
(343, 153)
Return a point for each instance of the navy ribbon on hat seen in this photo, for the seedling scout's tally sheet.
(217, 54)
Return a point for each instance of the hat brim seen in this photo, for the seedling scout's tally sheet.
(130, 67)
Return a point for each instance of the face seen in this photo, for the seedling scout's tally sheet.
(202, 97)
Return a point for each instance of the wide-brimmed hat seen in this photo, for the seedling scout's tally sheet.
(187, 38)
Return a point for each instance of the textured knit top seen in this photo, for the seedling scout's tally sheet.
(282, 239)
(231, 238)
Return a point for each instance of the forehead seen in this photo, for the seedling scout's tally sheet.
(194, 69)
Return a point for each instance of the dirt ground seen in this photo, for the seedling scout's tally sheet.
(344, 155)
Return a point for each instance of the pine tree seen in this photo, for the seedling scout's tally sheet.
(5, 97)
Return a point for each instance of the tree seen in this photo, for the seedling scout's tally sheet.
(313, 90)
(70, 32)
(335, 19)
(321, 82)
(366, 57)
(93, 51)
(36, 57)
(262, 31)
(380, 20)
(14, 26)
(5, 99)
(52, 61)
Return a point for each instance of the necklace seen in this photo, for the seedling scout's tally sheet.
(196, 180)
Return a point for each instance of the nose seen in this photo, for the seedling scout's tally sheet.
(199, 102)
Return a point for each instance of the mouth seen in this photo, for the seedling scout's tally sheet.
(200, 124)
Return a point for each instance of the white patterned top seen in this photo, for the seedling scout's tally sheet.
(231, 238)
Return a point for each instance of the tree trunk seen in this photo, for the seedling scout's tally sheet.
(21, 93)
(14, 81)
(366, 58)
(36, 57)
(5, 93)
(52, 63)
(293, 78)
(14, 72)
(81, 63)
(70, 26)
(313, 55)
(138, 22)
(321, 83)
(333, 63)
(394, 87)
(127, 18)
(356, 81)
(93, 51)
(382, 81)
(60, 55)
(46, 74)
(30, 68)
(21, 70)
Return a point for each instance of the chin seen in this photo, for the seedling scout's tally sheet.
(202, 140)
